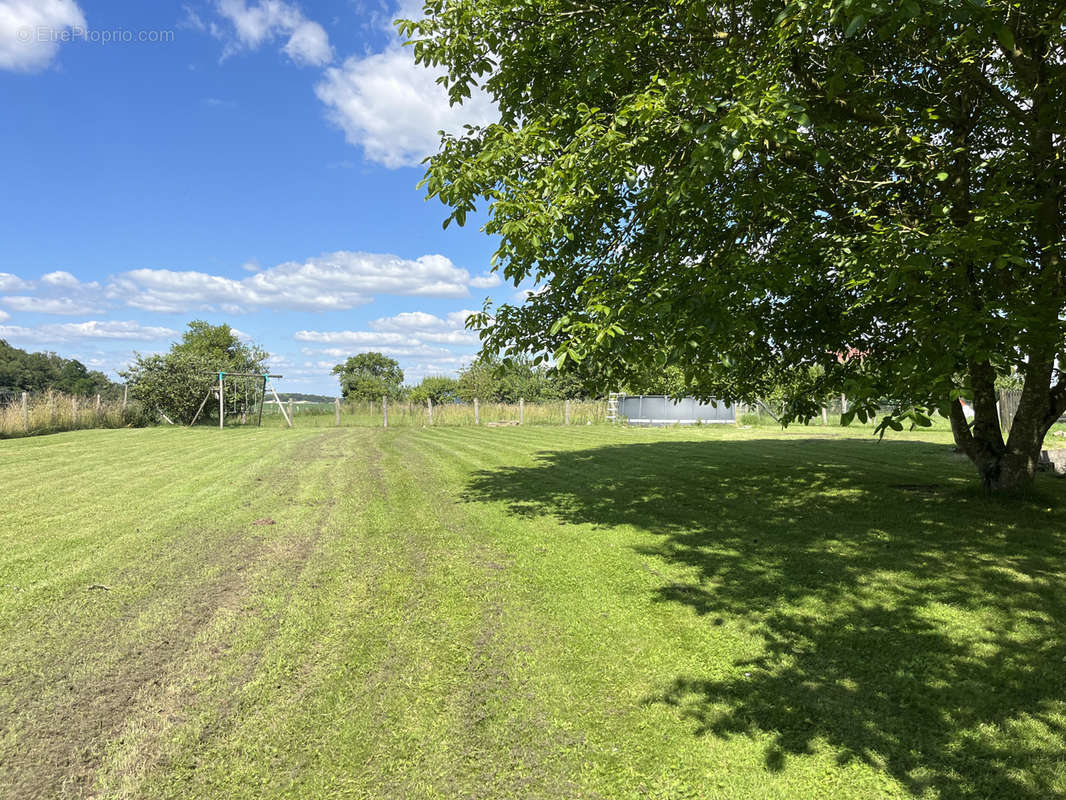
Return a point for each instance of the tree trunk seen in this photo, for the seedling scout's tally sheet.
(1041, 404)
(1009, 465)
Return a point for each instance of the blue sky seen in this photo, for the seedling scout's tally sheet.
(245, 161)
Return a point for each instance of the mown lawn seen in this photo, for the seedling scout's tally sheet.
(514, 613)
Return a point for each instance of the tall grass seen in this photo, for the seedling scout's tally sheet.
(52, 412)
(412, 415)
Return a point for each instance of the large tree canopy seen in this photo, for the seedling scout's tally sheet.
(754, 189)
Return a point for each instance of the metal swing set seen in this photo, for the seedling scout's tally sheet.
(255, 394)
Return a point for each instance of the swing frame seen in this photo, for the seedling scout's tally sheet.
(266, 378)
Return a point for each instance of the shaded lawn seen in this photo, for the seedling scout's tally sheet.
(908, 621)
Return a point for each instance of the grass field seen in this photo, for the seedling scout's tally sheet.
(546, 612)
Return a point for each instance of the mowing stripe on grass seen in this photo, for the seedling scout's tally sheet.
(520, 613)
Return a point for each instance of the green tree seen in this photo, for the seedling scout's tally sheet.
(438, 388)
(581, 379)
(176, 382)
(36, 372)
(751, 189)
(370, 376)
(219, 344)
(506, 380)
(477, 381)
(669, 380)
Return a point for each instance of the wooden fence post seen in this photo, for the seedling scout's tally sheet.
(1008, 407)
(25, 413)
(521, 411)
(51, 408)
(221, 402)
(429, 405)
(477, 414)
(125, 396)
(566, 412)
(290, 410)
(385, 410)
(74, 411)
(97, 409)
(337, 411)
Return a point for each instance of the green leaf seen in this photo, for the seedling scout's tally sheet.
(854, 25)
(1006, 38)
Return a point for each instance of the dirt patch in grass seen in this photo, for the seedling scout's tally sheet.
(147, 731)
(69, 709)
(116, 674)
(510, 745)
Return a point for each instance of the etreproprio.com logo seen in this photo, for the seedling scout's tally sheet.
(41, 34)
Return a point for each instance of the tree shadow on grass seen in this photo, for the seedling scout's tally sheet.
(908, 621)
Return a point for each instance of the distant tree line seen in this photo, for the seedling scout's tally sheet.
(300, 397)
(22, 371)
(368, 377)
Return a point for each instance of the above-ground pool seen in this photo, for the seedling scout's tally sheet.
(657, 409)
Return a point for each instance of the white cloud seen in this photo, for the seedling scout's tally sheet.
(421, 321)
(429, 328)
(54, 293)
(12, 283)
(64, 280)
(393, 108)
(407, 321)
(92, 329)
(192, 20)
(307, 43)
(48, 305)
(368, 338)
(417, 329)
(396, 351)
(411, 334)
(452, 337)
(413, 373)
(4, 316)
(30, 29)
(486, 281)
(405, 9)
(330, 282)
(333, 281)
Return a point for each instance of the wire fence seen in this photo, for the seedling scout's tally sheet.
(417, 415)
(26, 414)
